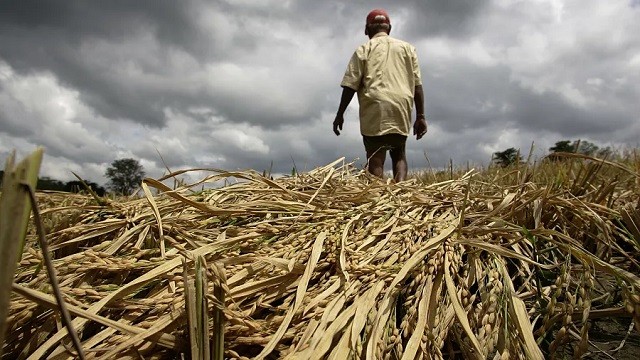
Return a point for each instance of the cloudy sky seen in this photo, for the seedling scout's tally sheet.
(238, 84)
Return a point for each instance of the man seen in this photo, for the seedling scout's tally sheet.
(386, 75)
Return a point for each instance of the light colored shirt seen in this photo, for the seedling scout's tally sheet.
(384, 71)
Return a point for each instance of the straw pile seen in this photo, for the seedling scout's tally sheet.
(334, 264)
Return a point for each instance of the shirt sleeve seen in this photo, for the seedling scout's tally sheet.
(416, 67)
(353, 75)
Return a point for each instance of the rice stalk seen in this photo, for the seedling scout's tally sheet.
(15, 206)
(333, 263)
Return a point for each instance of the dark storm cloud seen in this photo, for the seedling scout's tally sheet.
(14, 126)
(238, 84)
(65, 34)
(54, 35)
(493, 98)
(550, 112)
(66, 38)
(449, 18)
(71, 21)
(433, 18)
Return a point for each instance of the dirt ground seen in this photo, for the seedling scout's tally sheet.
(607, 335)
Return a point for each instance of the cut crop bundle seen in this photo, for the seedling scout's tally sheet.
(332, 263)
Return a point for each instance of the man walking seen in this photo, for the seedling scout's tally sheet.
(386, 75)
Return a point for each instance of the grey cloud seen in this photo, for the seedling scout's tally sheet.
(551, 112)
(452, 18)
(455, 103)
(448, 18)
(74, 20)
(90, 47)
(13, 125)
(167, 75)
(66, 32)
(501, 100)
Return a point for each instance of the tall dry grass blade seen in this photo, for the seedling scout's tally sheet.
(464, 206)
(386, 304)
(15, 207)
(366, 305)
(300, 293)
(219, 293)
(51, 272)
(413, 345)
(342, 350)
(631, 218)
(135, 285)
(459, 310)
(335, 285)
(339, 324)
(200, 206)
(192, 312)
(616, 165)
(324, 182)
(518, 312)
(202, 308)
(103, 201)
(343, 243)
(155, 331)
(166, 340)
(156, 214)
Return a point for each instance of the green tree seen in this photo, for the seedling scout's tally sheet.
(563, 146)
(77, 186)
(507, 157)
(578, 146)
(586, 147)
(605, 152)
(125, 175)
(47, 183)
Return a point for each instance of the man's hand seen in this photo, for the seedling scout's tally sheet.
(420, 127)
(345, 99)
(337, 123)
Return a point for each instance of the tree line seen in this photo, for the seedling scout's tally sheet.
(125, 175)
(512, 156)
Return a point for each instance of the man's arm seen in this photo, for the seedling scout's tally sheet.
(345, 99)
(420, 126)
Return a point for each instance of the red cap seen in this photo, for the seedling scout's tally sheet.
(378, 16)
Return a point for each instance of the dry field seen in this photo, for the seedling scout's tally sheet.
(528, 262)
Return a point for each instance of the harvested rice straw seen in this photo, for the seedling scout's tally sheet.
(335, 264)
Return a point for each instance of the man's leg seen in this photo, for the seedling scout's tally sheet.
(399, 162)
(376, 154)
(375, 162)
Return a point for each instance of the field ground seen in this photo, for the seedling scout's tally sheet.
(608, 334)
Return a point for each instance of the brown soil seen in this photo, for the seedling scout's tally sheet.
(607, 334)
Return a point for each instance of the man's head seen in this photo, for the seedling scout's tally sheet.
(377, 21)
